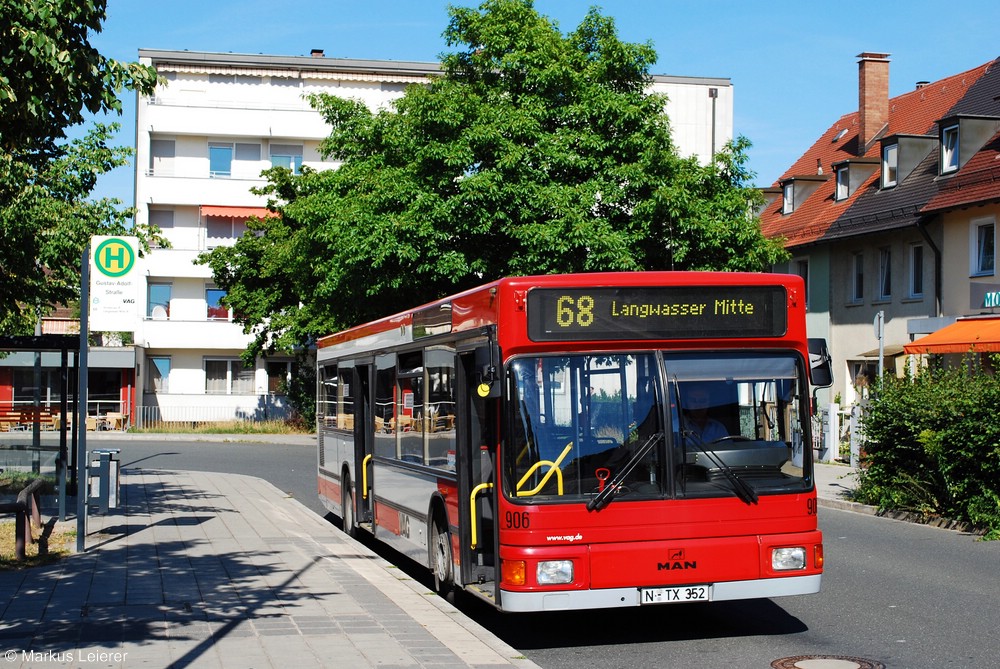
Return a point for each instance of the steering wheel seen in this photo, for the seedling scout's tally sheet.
(731, 437)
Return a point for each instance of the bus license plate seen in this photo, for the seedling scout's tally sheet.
(687, 593)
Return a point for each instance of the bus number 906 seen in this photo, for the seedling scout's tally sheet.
(578, 312)
(517, 520)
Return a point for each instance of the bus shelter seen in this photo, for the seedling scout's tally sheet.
(37, 416)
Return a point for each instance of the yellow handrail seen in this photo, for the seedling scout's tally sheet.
(364, 476)
(553, 467)
(472, 504)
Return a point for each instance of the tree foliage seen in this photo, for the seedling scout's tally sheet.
(534, 152)
(50, 76)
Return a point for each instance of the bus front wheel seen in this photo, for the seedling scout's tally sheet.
(441, 559)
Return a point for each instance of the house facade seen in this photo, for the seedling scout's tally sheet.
(880, 217)
(215, 122)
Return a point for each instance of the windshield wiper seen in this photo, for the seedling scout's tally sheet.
(603, 498)
(743, 489)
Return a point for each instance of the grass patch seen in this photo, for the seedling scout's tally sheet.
(227, 427)
(60, 538)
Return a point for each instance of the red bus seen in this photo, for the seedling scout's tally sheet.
(583, 441)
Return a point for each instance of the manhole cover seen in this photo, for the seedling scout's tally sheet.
(825, 662)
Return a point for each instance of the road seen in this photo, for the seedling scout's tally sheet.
(903, 595)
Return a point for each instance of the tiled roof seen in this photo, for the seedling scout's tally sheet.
(868, 208)
(978, 181)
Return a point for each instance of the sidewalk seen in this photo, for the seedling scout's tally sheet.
(221, 570)
(834, 485)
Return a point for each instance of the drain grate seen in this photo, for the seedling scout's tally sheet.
(825, 662)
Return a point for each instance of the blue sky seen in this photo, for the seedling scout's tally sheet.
(792, 64)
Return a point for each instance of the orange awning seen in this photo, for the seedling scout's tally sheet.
(236, 212)
(979, 335)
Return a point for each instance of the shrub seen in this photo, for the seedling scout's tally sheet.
(933, 445)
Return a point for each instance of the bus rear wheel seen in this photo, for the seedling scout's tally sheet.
(441, 558)
(347, 508)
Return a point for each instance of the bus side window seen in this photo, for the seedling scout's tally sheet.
(439, 418)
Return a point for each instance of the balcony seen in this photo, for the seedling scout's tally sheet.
(197, 190)
(191, 334)
(221, 119)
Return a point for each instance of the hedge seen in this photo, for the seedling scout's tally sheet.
(932, 445)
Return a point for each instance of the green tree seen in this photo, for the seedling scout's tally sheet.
(50, 77)
(534, 152)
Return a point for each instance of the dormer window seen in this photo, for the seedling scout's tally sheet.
(851, 175)
(788, 198)
(796, 190)
(843, 183)
(949, 149)
(890, 165)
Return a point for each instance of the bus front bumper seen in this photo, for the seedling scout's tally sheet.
(621, 597)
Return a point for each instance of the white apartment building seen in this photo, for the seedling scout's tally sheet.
(202, 141)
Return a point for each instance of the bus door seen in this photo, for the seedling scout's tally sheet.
(476, 462)
(364, 436)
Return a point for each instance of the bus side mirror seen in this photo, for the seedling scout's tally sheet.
(486, 382)
(820, 364)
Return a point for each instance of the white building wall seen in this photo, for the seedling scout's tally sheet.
(692, 104)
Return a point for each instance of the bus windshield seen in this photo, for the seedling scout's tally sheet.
(731, 424)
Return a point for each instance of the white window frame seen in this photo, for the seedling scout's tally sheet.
(208, 306)
(916, 279)
(233, 228)
(286, 376)
(890, 165)
(288, 156)
(788, 198)
(885, 273)
(949, 149)
(151, 380)
(235, 384)
(982, 262)
(150, 306)
(247, 152)
(843, 190)
(221, 174)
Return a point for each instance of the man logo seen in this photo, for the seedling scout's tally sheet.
(114, 258)
(675, 560)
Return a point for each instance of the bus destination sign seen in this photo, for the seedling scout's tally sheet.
(656, 312)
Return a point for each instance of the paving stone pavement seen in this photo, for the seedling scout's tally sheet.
(221, 570)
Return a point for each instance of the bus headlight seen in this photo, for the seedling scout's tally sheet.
(788, 559)
(554, 572)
